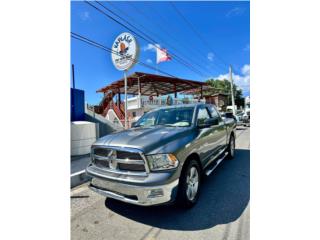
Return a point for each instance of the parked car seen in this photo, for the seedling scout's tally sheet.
(246, 119)
(162, 158)
(239, 118)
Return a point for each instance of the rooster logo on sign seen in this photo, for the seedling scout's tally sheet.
(123, 49)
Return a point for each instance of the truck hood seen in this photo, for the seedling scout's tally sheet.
(145, 139)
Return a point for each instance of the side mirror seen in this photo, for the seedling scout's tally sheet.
(209, 122)
(133, 124)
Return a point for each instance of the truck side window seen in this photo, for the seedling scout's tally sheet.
(213, 111)
(202, 115)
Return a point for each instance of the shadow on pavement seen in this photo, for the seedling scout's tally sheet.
(224, 196)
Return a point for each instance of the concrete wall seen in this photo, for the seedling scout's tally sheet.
(104, 126)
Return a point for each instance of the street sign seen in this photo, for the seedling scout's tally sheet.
(125, 50)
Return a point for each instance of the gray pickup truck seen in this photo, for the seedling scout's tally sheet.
(163, 157)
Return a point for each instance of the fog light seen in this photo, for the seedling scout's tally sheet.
(155, 193)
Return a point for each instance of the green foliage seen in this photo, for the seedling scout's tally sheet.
(224, 86)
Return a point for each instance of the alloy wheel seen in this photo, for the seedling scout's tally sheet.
(192, 183)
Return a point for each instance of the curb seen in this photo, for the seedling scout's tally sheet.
(79, 178)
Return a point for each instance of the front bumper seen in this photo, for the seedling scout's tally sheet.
(139, 195)
(151, 189)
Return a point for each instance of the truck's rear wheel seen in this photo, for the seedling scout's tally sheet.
(231, 147)
(189, 187)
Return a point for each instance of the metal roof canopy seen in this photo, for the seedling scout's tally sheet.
(151, 85)
(204, 89)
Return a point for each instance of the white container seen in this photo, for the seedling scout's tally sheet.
(83, 135)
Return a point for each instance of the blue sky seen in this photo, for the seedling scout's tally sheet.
(223, 26)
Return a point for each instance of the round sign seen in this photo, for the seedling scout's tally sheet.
(124, 51)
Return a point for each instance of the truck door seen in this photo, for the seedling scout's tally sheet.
(204, 141)
(220, 131)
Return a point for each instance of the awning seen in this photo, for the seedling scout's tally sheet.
(152, 85)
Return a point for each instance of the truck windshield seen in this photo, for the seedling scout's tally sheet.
(175, 117)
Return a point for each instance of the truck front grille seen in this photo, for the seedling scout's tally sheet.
(120, 161)
(129, 155)
(101, 163)
(131, 167)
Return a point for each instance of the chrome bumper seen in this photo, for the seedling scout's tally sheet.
(139, 195)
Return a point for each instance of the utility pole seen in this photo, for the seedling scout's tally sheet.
(232, 97)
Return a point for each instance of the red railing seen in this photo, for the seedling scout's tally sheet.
(118, 111)
(107, 103)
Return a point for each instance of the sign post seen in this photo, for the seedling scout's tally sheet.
(126, 100)
(125, 51)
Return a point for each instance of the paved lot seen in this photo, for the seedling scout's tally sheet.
(222, 212)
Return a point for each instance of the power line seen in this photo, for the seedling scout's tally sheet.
(134, 20)
(198, 51)
(100, 46)
(177, 58)
(166, 43)
(150, 39)
(196, 32)
(167, 32)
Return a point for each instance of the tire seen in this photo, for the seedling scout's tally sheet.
(231, 147)
(187, 198)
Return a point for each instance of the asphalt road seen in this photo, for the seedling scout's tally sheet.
(222, 212)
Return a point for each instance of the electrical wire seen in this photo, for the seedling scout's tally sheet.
(189, 24)
(177, 58)
(100, 46)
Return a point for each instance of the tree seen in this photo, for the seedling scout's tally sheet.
(224, 86)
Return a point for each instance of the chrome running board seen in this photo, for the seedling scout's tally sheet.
(215, 164)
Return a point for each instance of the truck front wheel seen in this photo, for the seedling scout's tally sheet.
(190, 180)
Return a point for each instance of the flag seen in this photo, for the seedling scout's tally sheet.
(162, 55)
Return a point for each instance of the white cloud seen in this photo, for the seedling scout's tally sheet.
(210, 56)
(242, 81)
(150, 47)
(245, 70)
(237, 11)
(149, 61)
(85, 15)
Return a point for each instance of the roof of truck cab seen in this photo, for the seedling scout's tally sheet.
(181, 106)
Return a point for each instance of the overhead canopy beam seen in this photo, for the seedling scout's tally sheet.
(151, 83)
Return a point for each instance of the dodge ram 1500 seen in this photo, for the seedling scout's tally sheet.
(163, 157)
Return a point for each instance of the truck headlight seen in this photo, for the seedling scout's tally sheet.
(162, 161)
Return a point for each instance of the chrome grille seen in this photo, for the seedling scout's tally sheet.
(124, 161)
(101, 163)
(103, 152)
(129, 155)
